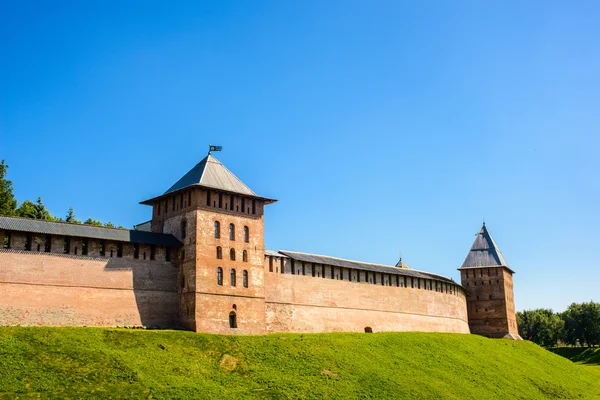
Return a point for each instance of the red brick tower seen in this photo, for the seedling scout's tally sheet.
(489, 284)
(220, 221)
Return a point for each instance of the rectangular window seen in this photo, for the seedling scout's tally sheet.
(136, 250)
(323, 271)
(67, 245)
(166, 206)
(341, 274)
(181, 201)
(119, 249)
(332, 272)
(173, 205)
(243, 204)
(314, 270)
(231, 202)
(208, 198)
(6, 243)
(189, 198)
(158, 208)
(281, 268)
(358, 276)
(253, 206)
(152, 252)
(167, 254)
(270, 264)
(220, 200)
(102, 248)
(84, 247)
(303, 268)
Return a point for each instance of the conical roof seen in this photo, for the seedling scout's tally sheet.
(484, 252)
(211, 173)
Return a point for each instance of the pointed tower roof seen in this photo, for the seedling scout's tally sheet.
(484, 252)
(210, 173)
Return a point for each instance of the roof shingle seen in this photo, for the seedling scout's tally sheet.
(87, 231)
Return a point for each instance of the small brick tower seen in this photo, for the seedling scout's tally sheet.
(489, 284)
(220, 222)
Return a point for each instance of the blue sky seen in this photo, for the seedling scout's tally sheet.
(380, 126)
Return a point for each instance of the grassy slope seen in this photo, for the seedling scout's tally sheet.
(80, 362)
(584, 356)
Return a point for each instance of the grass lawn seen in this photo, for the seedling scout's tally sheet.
(581, 355)
(118, 363)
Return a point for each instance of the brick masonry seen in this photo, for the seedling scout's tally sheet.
(181, 286)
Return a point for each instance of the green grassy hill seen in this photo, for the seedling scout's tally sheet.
(581, 355)
(119, 363)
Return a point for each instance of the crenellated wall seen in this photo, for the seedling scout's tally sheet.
(300, 303)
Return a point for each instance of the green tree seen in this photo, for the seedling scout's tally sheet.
(8, 204)
(26, 209)
(582, 324)
(93, 222)
(41, 212)
(71, 217)
(541, 326)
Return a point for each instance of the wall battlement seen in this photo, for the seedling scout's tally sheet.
(203, 267)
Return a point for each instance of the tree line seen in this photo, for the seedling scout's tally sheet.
(28, 209)
(579, 325)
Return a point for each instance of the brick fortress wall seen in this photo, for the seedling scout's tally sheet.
(55, 289)
(303, 303)
(490, 301)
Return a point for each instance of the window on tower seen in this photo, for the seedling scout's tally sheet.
(220, 276)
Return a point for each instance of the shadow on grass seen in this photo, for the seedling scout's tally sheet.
(579, 354)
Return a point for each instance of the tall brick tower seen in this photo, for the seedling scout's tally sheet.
(489, 284)
(220, 221)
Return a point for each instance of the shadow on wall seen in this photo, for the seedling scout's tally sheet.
(155, 290)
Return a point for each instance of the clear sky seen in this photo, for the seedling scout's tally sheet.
(379, 126)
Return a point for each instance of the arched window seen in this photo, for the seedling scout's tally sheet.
(217, 230)
(232, 277)
(246, 234)
(245, 278)
(245, 256)
(232, 255)
(220, 276)
(183, 228)
(219, 253)
(231, 232)
(232, 320)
